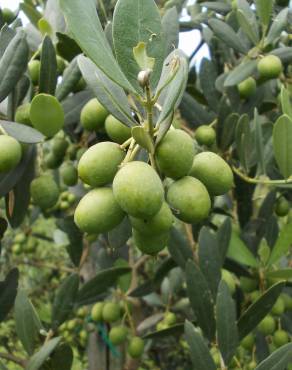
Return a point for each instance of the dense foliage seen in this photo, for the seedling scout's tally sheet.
(145, 197)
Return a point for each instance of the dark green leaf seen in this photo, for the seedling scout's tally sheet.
(70, 78)
(62, 358)
(282, 245)
(226, 34)
(170, 27)
(119, 236)
(284, 274)
(284, 53)
(239, 252)
(67, 47)
(179, 248)
(243, 141)
(278, 25)
(258, 310)
(200, 298)
(264, 9)
(217, 6)
(227, 333)
(142, 21)
(27, 322)
(107, 92)
(259, 142)
(193, 112)
(8, 291)
(13, 64)
(240, 73)
(104, 280)
(209, 259)
(278, 360)
(286, 102)
(282, 144)
(247, 27)
(64, 300)
(18, 199)
(73, 105)
(48, 71)
(223, 238)
(208, 75)
(228, 131)
(199, 351)
(75, 237)
(37, 360)
(176, 329)
(22, 133)
(91, 38)
(6, 35)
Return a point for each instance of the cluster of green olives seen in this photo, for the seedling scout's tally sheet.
(179, 184)
(268, 67)
(23, 243)
(111, 313)
(169, 319)
(74, 331)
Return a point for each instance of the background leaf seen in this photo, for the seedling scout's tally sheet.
(48, 70)
(8, 291)
(282, 245)
(37, 360)
(264, 9)
(22, 133)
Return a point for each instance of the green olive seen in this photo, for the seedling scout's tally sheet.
(10, 153)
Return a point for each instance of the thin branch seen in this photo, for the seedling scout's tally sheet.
(12, 358)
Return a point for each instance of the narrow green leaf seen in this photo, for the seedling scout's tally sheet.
(105, 279)
(243, 140)
(226, 34)
(31, 12)
(208, 76)
(209, 259)
(22, 133)
(259, 143)
(48, 71)
(27, 322)
(62, 358)
(179, 248)
(241, 72)
(247, 27)
(119, 236)
(286, 102)
(239, 252)
(217, 6)
(13, 64)
(227, 333)
(278, 25)
(264, 9)
(278, 360)
(199, 351)
(37, 360)
(142, 21)
(173, 330)
(67, 47)
(71, 76)
(282, 144)
(259, 310)
(170, 27)
(223, 238)
(64, 300)
(226, 138)
(107, 92)
(90, 37)
(6, 35)
(282, 245)
(200, 298)
(8, 291)
(143, 138)
(284, 53)
(285, 274)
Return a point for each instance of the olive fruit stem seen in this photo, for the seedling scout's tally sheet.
(149, 110)
(126, 143)
(129, 153)
(253, 180)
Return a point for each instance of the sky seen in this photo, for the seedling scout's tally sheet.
(188, 40)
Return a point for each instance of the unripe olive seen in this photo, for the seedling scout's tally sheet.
(116, 130)
(93, 115)
(170, 318)
(118, 335)
(96, 311)
(52, 161)
(111, 312)
(288, 301)
(72, 151)
(248, 342)
(59, 147)
(189, 199)
(16, 249)
(80, 153)
(247, 284)
(280, 338)
(205, 135)
(10, 153)
(34, 67)
(20, 238)
(98, 212)
(279, 307)
(270, 67)
(64, 205)
(252, 365)
(150, 244)
(213, 172)
(99, 164)
(161, 326)
(8, 15)
(44, 191)
(267, 326)
(282, 207)
(69, 174)
(71, 198)
(47, 114)
(138, 189)
(247, 87)
(22, 114)
(159, 223)
(81, 312)
(81, 84)
(174, 154)
(229, 280)
(136, 347)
